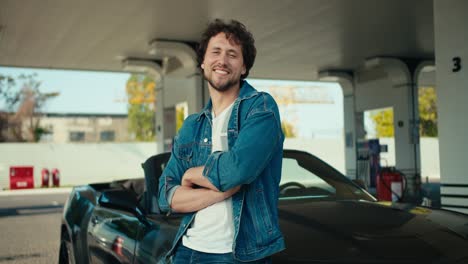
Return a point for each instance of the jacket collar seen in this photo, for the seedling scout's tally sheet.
(246, 91)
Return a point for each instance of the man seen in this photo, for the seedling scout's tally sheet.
(225, 166)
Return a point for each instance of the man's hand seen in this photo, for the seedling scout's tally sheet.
(190, 175)
(194, 176)
(230, 192)
(188, 199)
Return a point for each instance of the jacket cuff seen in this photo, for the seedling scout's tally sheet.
(165, 202)
(170, 194)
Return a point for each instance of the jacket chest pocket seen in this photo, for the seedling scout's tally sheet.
(193, 154)
(185, 153)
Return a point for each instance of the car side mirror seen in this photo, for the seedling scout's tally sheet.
(122, 199)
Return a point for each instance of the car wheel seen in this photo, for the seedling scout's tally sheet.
(66, 253)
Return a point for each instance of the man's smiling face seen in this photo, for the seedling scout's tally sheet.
(223, 63)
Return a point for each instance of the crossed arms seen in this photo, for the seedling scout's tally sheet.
(187, 198)
(188, 190)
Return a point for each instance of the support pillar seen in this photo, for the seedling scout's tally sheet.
(451, 50)
(181, 84)
(387, 82)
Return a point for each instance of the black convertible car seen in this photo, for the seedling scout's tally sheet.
(324, 216)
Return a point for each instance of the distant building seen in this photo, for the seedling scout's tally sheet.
(85, 128)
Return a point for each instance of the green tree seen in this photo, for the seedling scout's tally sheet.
(427, 112)
(180, 117)
(141, 95)
(22, 108)
(288, 128)
(9, 98)
(427, 106)
(383, 121)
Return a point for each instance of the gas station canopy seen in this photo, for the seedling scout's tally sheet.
(295, 39)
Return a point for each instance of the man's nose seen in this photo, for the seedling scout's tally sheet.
(224, 58)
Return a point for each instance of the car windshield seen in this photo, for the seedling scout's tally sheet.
(305, 176)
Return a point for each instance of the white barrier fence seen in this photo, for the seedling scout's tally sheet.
(87, 163)
(78, 163)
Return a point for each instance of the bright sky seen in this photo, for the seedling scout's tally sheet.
(104, 92)
(80, 91)
(311, 119)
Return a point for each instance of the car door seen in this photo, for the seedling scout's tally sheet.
(112, 235)
(157, 231)
(155, 238)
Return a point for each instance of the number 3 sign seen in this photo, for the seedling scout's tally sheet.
(456, 64)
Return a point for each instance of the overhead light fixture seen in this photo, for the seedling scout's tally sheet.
(428, 68)
(333, 75)
(372, 62)
(343, 78)
(138, 65)
(153, 48)
(183, 52)
(327, 76)
(171, 48)
(142, 66)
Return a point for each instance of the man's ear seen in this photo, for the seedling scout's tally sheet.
(202, 66)
(243, 70)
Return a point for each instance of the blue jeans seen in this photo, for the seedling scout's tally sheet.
(185, 255)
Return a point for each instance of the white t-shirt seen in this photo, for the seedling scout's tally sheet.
(212, 230)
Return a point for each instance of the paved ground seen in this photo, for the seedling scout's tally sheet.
(30, 225)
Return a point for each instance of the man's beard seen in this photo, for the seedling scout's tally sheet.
(223, 87)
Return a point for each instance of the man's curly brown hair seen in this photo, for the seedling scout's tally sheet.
(235, 31)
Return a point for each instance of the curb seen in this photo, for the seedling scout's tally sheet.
(35, 191)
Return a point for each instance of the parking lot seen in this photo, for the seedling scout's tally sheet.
(30, 226)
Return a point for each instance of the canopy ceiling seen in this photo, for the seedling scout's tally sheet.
(295, 39)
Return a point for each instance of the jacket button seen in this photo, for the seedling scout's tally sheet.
(205, 140)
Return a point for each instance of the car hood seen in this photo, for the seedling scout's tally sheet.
(370, 232)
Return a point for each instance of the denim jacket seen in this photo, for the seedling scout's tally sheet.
(254, 161)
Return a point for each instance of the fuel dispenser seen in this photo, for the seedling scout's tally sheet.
(368, 163)
(386, 183)
(391, 184)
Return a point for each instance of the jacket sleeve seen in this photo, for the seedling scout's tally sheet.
(259, 137)
(170, 180)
